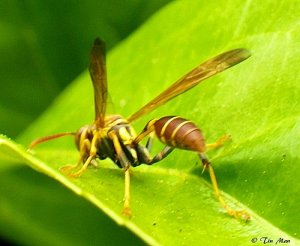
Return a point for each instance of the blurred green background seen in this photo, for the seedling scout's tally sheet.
(44, 45)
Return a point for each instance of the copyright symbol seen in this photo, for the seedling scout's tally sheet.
(254, 240)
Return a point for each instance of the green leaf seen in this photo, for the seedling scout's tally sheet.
(36, 210)
(168, 206)
(256, 102)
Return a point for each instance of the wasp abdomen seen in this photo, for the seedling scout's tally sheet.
(179, 133)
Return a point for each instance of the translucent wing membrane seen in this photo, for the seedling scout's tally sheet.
(98, 75)
(193, 78)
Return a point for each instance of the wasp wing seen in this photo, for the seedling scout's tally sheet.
(98, 75)
(203, 71)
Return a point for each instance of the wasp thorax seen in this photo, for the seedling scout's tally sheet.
(113, 120)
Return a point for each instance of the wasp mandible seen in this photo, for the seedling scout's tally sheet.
(112, 136)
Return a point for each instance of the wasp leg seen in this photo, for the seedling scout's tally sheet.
(126, 166)
(161, 155)
(144, 155)
(150, 141)
(148, 129)
(91, 148)
(83, 168)
(84, 148)
(238, 214)
(126, 207)
(68, 168)
(143, 152)
(219, 143)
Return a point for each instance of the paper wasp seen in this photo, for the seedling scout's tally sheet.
(112, 136)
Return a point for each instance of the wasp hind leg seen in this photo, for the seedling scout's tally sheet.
(143, 152)
(238, 214)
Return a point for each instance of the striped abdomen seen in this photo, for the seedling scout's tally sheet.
(179, 133)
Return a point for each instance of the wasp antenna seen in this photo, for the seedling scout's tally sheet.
(47, 138)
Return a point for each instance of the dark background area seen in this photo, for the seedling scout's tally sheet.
(44, 45)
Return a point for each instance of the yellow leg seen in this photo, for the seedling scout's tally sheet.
(126, 165)
(126, 208)
(219, 143)
(87, 149)
(83, 168)
(68, 168)
(243, 215)
(84, 148)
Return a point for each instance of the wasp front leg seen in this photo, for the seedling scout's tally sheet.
(85, 147)
(88, 152)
